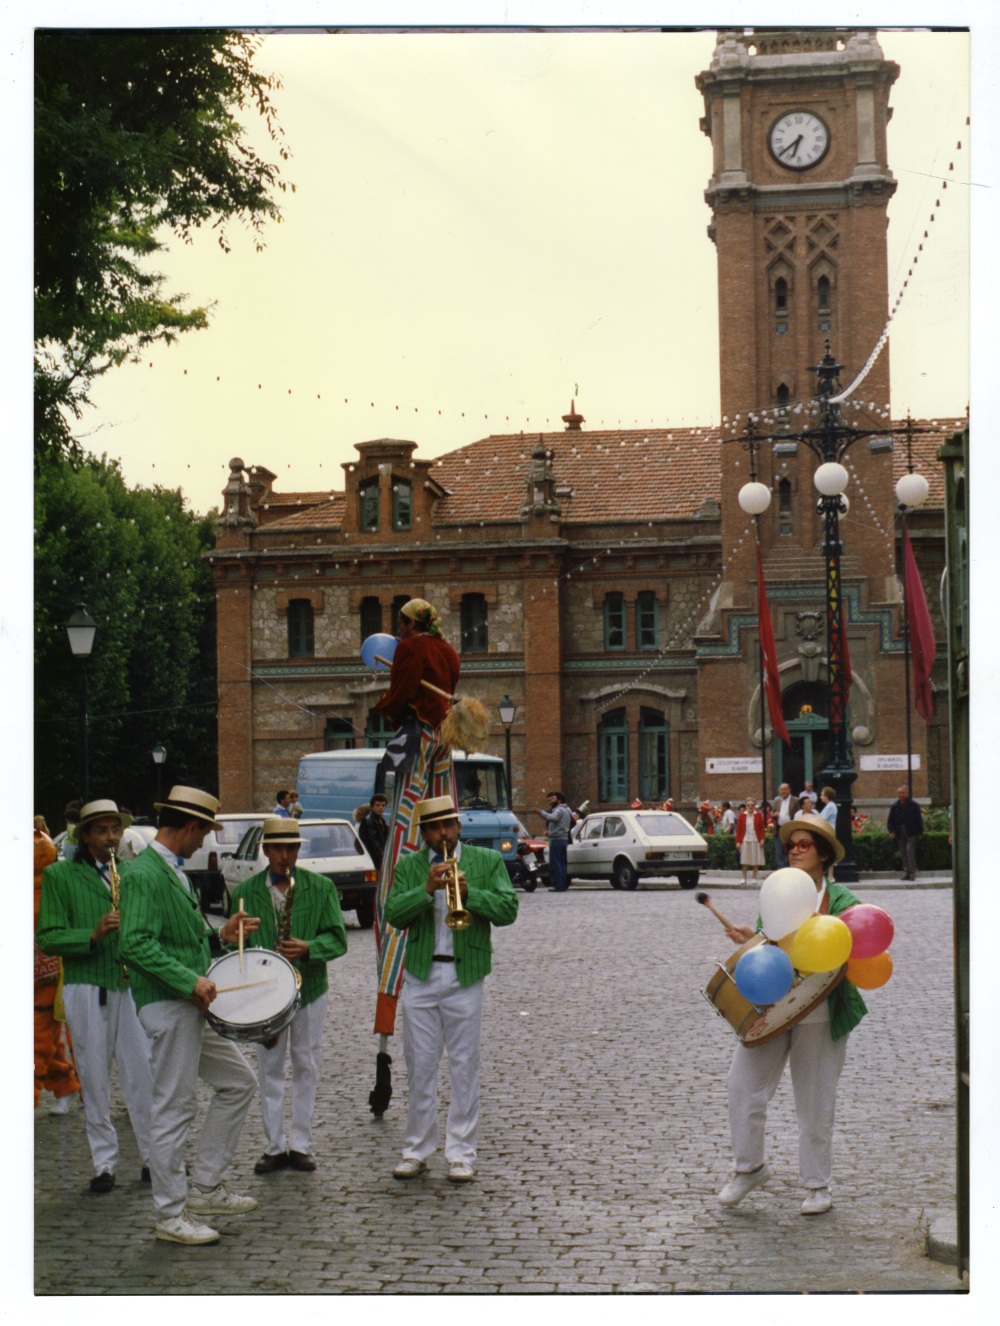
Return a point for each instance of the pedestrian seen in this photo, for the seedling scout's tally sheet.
(906, 824)
(54, 1072)
(727, 823)
(373, 830)
(559, 819)
(750, 838)
(78, 922)
(443, 981)
(294, 806)
(828, 805)
(705, 824)
(302, 921)
(282, 805)
(166, 942)
(815, 1048)
(783, 809)
(805, 807)
(65, 843)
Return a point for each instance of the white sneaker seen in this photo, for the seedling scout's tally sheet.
(817, 1201)
(220, 1201)
(741, 1184)
(459, 1171)
(408, 1168)
(182, 1229)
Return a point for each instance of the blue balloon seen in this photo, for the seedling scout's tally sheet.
(383, 645)
(764, 974)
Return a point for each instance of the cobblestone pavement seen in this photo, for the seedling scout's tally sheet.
(603, 1138)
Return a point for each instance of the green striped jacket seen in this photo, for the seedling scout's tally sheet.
(74, 898)
(316, 918)
(163, 937)
(491, 900)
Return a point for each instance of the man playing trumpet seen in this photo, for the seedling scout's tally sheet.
(444, 971)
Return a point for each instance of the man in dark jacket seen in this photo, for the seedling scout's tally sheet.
(373, 830)
(906, 825)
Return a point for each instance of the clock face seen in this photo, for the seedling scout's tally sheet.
(798, 139)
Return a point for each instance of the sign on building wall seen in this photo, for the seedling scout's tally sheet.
(743, 766)
(876, 763)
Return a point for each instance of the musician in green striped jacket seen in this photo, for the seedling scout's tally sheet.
(78, 922)
(303, 922)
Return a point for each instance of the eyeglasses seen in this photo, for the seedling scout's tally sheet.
(800, 846)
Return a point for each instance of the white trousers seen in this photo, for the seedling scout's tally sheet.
(816, 1061)
(184, 1049)
(104, 1035)
(301, 1041)
(438, 1014)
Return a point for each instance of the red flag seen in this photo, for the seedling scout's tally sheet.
(772, 684)
(845, 655)
(922, 647)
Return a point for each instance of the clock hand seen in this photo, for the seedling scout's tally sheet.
(792, 148)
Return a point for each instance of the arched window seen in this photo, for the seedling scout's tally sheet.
(781, 295)
(370, 617)
(378, 730)
(654, 756)
(646, 620)
(475, 624)
(823, 294)
(402, 504)
(785, 507)
(614, 620)
(368, 497)
(339, 735)
(301, 641)
(612, 757)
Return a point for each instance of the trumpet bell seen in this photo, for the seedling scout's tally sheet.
(459, 919)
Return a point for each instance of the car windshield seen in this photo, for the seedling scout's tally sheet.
(480, 786)
(323, 840)
(663, 825)
(232, 831)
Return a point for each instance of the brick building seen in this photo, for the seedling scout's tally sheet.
(605, 579)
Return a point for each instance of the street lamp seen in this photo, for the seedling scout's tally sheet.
(159, 754)
(911, 492)
(507, 709)
(81, 629)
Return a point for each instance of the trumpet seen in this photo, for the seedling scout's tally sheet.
(458, 918)
(116, 896)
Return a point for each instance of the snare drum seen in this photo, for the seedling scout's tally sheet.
(265, 1004)
(754, 1024)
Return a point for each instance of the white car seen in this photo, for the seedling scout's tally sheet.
(204, 867)
(624, 846)
(330, 847)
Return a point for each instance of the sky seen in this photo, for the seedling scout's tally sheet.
(486, 226)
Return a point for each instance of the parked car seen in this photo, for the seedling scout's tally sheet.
(204, 868)
(624, 846)
(330, 847)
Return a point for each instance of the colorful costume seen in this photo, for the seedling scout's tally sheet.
(53, 1071)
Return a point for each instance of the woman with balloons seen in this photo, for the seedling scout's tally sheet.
(800, 912)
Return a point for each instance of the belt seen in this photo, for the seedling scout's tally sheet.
(442, 957)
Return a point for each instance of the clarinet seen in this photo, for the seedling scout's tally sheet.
(115, 882)
(284, 930)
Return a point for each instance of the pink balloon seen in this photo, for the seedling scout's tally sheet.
(871, 928)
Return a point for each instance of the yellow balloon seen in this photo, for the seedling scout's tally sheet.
(822, 943)
(869, 973)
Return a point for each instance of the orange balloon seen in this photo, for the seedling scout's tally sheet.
(869, 973)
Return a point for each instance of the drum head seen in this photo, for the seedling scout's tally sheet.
(270, 987)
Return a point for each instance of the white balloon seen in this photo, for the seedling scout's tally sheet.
(787, 898)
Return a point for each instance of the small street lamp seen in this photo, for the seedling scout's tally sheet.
(911, 492)
(81, 629)
(159, 754)
(507, 709)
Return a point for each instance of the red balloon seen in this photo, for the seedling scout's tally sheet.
(871, 928)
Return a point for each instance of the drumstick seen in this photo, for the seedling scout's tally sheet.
(241, 934)
(247, 985)
(706, 900)
(423, 682)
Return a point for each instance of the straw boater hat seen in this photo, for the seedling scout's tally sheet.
(816, 824)
(279, 832)
(191, 801)
(99, 810)
(435, 809)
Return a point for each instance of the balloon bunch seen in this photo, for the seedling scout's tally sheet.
(809, 942)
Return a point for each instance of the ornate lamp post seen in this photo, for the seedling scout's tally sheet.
(81, 629)
(911, 492)
(159, 754)
(754, 499)
(507, 709)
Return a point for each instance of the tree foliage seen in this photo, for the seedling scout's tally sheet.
(136, 138)
(133, 557)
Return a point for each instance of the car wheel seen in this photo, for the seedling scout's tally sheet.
(366, 914)
(530, 881)
(624, 874)
(227, 904)
(688, 879)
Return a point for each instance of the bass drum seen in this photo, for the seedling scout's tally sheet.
(757, 1024)
(257, 1003)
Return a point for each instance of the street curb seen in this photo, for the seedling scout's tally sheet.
(942, 1238)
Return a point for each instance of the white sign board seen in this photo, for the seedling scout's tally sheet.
(745, 766)
(877, 763)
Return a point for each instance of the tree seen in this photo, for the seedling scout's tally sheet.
(134, 558)
(136, 138)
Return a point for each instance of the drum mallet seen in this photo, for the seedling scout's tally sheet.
(706, 901)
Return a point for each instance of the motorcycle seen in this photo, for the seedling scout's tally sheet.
(530, 867)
